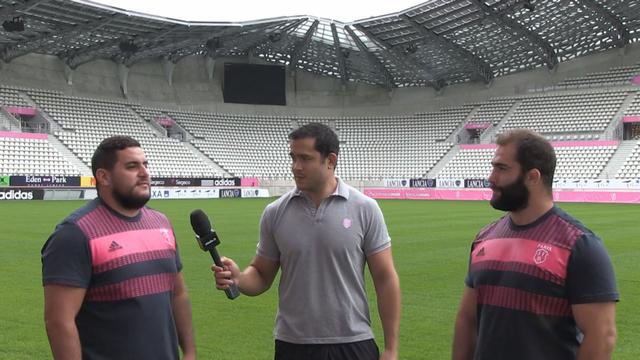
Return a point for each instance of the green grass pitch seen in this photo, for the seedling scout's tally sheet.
(430, 244)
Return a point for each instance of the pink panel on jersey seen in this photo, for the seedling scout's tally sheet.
(110, 247)
(546, 256)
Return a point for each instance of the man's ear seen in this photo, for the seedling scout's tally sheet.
(533, 177)
(333, 160)
(103, 177)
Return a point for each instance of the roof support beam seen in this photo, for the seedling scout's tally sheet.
(25, 5)
(259, 37)
(34, 44)
(481, 68)
(402, 60)
(620, 33)
(539, 44)
(84, 55)
(373, 60)
(340, 55)
(301, 46)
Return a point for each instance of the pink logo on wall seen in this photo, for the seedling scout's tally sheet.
(249, 182)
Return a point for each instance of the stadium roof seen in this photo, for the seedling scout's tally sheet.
(436, 43)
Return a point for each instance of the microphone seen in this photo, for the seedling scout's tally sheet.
(208, 240)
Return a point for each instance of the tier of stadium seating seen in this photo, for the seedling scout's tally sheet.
(373, 147)
(492, 111)
(379, 147)
(620, 75)
(248, 146)
(85, 122)
(20, 156)
(579, 162)
(631, 167)
(634, 107)
(573, 112)
(11, 97)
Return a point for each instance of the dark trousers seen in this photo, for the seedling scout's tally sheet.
(360, 350)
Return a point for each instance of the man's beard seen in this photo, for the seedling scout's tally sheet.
(130, 201)
(512, 197)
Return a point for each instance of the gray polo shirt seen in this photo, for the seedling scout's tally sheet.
(322, 254)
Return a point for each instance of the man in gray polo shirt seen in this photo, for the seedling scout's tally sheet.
(321, 234)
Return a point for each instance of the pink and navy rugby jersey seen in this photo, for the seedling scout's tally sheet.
(128, 266)
(527, 277)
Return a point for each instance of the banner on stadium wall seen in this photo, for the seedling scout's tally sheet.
(87, 181)
(89, 194)
(396, 183)
(184, 193)
(21, 194)
(422, 183)
(603, 184)
(221, 182)
(255, 193)
(450, 183)
(476, 183)
(5, 181)
(591, 196)
(230, 193)
(191, 182)
(44, 180)
(160, 181)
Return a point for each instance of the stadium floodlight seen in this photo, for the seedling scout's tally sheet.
(14, 25)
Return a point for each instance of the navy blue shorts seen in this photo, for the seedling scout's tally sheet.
(360, 350)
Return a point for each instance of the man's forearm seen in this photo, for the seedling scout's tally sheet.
(64, 340)
(388, 295)
(597, 347)
(184, 325)
(464, 340)
(251, 282)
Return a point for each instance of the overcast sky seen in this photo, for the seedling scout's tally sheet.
(245, 10)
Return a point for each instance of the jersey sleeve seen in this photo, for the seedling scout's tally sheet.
(178, 259)
(469, 280)
(376, 237)
(590, 275)
(66, 258)
(267, 246)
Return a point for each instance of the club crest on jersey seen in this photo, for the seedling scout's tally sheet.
(542, 253)
(165, 235)
(346, 222)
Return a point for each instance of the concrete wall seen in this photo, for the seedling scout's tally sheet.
(307, 94)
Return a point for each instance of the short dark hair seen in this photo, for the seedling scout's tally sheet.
(326, 139)
(105, 156)
(532, 152)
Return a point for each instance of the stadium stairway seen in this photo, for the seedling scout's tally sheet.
(157, 130)
(453, 136)
(625, 148)
(8, 122)
(610, 131)
(71, 157)
(488, 136)
(27, 98)
(433, 172)
(206, 159)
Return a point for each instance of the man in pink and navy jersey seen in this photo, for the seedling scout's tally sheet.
(111, 270)
(540, 284)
